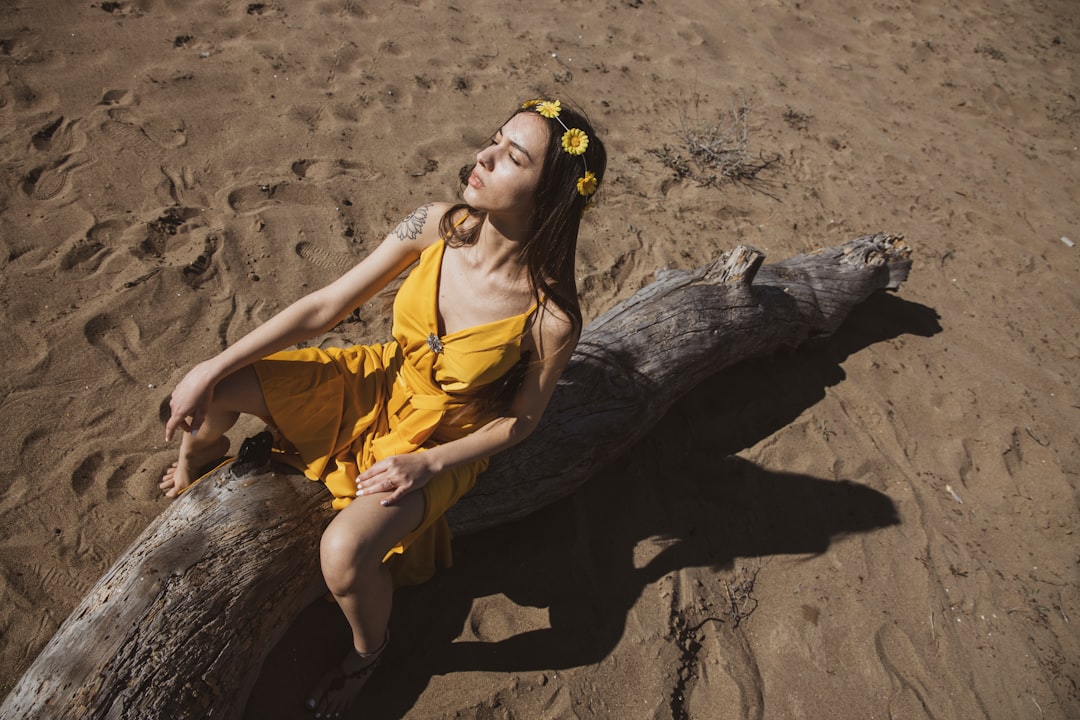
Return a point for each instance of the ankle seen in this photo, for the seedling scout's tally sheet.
(373, 654)
(204, 449)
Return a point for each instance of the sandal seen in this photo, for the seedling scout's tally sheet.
(338, 689)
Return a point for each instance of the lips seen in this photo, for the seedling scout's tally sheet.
(474, 181)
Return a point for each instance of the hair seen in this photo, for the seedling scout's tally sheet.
(551, 246)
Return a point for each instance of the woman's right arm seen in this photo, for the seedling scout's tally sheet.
(306, 318)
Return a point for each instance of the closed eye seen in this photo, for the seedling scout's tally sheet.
(496, 140)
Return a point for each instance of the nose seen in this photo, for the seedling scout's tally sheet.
(485, 156)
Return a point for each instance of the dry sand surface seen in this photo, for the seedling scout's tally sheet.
(881, 524)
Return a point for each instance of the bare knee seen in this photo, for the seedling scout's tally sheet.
(348, 558)
(241, 392)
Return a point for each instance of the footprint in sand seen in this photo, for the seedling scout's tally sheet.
(148, 241)
(184, 187)
(97, 244)
(116, 97)
(83, 477)
(324, 169)
(60, 140)
(124, 480)
(146, 137)
(104, 236)
(119, 339)
(27, 353)
(252, 198)
(916, 692)
(50, 182)
(337, 261)
(129, 137)
(158, 231)
(58, 137)
(195, 271)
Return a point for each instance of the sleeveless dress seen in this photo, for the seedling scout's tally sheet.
(340, 410)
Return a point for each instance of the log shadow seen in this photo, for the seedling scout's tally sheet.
(576, 557)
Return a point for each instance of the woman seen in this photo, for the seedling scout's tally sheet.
(483, 327)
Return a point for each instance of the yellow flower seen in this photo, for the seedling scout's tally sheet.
(549, 108)
(586, 185)
(574, 141)
(530, 103)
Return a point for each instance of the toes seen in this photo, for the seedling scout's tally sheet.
(168, 478)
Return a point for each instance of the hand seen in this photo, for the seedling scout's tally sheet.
(398, 475)
(190, 399)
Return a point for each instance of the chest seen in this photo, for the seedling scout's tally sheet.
(468, 296)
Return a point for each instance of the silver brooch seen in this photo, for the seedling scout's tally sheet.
(434, 343)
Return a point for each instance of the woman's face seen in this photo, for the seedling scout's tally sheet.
(507, 172)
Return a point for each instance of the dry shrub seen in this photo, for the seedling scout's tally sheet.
(713, 154)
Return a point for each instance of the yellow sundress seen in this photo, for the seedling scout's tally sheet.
(340, 410)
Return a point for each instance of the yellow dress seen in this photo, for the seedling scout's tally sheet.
(340, 410)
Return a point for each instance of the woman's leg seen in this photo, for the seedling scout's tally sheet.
(351, 553)
(238, 393)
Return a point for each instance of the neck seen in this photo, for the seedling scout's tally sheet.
(513, 227)
(500, 242)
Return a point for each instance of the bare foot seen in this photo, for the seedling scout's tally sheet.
(338, 689)
(191, 465)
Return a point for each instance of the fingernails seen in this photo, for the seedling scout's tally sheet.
(384, 503)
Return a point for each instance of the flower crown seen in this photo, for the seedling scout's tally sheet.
(574, 141)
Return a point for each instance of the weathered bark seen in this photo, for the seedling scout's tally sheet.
(633, 362)
(178, 628)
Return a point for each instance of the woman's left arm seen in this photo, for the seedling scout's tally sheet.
(553, 339)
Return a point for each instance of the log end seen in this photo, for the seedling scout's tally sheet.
(880, 250)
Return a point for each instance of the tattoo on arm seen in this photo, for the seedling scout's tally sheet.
(411, 227)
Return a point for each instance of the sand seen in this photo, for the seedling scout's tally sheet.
(879, 524)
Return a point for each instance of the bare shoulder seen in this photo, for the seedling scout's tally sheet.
(421, 227)
(553, 332)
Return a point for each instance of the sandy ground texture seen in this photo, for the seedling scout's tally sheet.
(881, 524)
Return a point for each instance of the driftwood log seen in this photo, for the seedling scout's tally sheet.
(180, 625)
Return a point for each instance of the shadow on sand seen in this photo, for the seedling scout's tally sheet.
(681, 488)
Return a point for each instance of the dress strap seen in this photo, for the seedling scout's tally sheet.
(457, 223)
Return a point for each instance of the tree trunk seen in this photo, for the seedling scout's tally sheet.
(179, 626)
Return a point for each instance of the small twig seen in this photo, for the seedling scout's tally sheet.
(1032, 434)
(708, 619)
(741, 602)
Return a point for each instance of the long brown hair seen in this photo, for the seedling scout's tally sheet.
(551, 247)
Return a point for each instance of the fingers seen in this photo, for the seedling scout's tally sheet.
(175, 423)
(373, 487)
(397, 495)
(180, 423)
(398, 475)
(188, 406)
(376, 478)
(382, 478)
